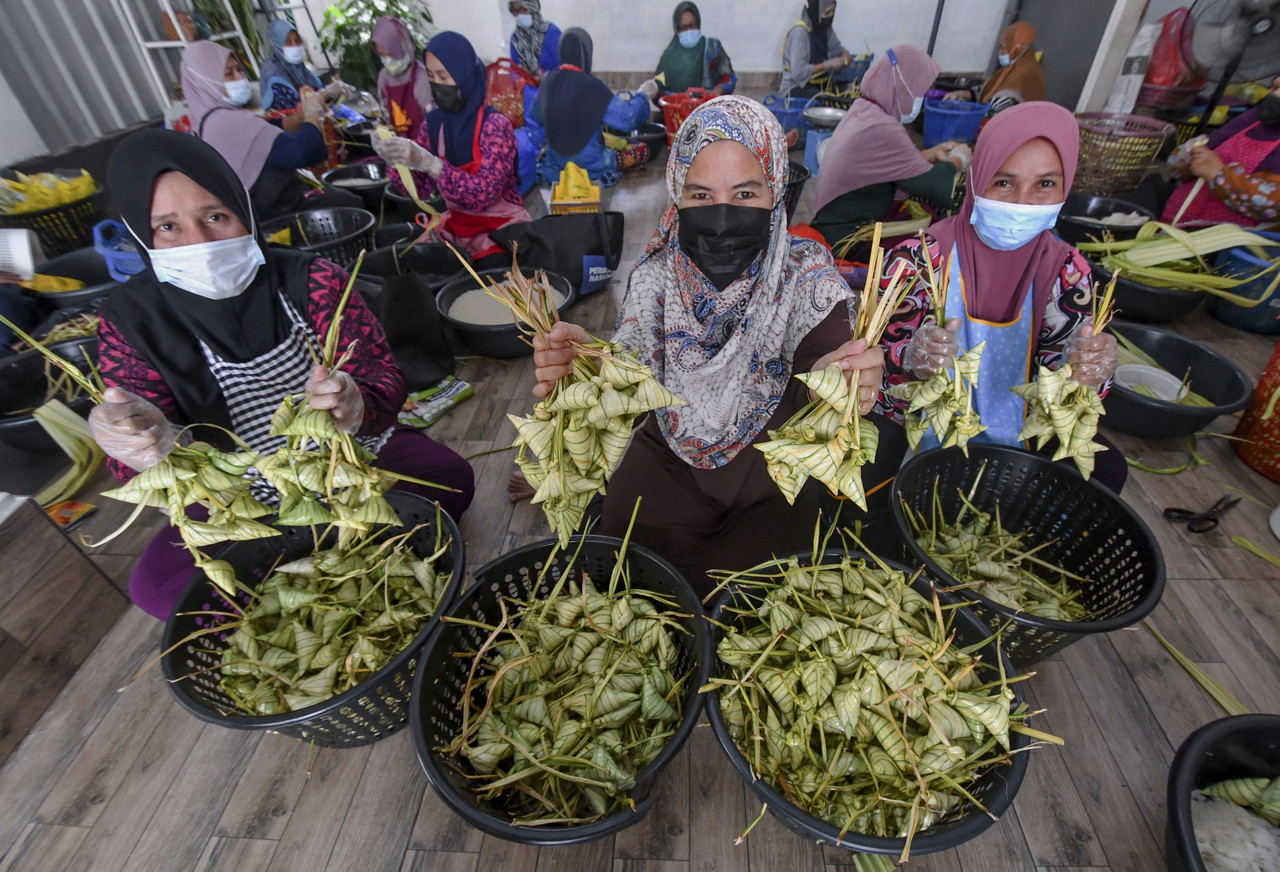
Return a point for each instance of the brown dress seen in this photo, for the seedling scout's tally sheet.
(731, 517)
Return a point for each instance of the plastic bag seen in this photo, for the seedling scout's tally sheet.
(627, 111)
(1172, 63)
(45, 190)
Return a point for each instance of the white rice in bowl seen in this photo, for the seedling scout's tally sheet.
(1232, 838)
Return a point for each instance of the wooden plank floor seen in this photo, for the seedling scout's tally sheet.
(112, 778)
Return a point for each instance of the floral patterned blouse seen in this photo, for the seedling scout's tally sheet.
(1254, 195)
(1070, 307)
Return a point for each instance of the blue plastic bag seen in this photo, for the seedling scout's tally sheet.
(527, 157)
(627, 112)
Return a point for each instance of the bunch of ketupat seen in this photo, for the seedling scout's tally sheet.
(1057, 405)
(978, 552)
(321, 624)
(828, 439)
(579, 694)
(1260, 795)
(847, 691)
(945, 400)
(572, 441)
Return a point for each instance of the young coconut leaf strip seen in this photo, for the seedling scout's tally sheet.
(572, 441)
(569, 697)
(943, 402)
(1058, 405)
(319, 625)
(977, 551)
(827, 439)
(847, 691)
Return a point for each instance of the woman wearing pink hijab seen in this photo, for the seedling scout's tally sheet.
(403, 87)
(1013, 284)
(870, 164)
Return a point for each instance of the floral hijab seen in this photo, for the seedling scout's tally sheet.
(728, 354)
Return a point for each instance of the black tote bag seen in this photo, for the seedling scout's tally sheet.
(585, 248)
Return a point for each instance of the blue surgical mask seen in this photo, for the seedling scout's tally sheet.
(1008, 226)
(524, 20)
(915, 111)
(216, 270)
(294, 54)
(238, 92)
(1004, 59)
(689, 38)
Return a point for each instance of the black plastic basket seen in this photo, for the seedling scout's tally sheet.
(797, 175)
(1243, 746)
(339, 234)
(373, 709)
(437, 691)
(1094, 534)
(404, 207)
(996, 788)
(62, 228)
(370, 180)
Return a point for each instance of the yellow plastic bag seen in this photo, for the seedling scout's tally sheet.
(45, 191)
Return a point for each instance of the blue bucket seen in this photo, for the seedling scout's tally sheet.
(956, 120)
(1263, 318)
(112, 240)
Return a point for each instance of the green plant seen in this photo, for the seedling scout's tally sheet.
(216, 16)
(348, 28)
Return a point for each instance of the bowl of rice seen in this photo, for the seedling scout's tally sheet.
(486, 325)
(1085, 217)
(1224, 798)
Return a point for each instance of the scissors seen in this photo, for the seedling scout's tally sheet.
(1202, 522)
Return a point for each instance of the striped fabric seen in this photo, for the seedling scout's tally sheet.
(254, 389)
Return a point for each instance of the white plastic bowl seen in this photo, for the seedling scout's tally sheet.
(1164, 385)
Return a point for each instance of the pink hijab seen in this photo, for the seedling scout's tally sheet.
(870, 144)
(996, 282)
(242, 138)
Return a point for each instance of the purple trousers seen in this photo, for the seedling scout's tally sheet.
(165, 568)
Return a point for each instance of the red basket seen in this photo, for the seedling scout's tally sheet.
(676, 108)
(505, 83)
(1258, 434)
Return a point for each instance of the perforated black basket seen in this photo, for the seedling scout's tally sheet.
(338, 234)
(1092, 532)
(797, 177)
(374, 708)
(995, 789)
(437, 690)
(62, 228)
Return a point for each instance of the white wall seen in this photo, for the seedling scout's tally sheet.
(629, 35)
(20, 140)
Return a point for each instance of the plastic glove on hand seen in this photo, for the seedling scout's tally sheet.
(931, 349)
(132, 430)
(338, 393)
(1093, 359)
(963, 153)
(398, 150)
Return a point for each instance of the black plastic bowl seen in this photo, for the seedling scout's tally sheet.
(995, 789)
(23, 385)
(1237, 747)
(1144, 303)
(373, 177)
(1074, 227)
(651, 133)
(431, 260)
(1213, 375)
(404, 206)
(495, 340)
(84, 264)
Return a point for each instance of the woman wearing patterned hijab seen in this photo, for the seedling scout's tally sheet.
(535, 43)
(725, 306)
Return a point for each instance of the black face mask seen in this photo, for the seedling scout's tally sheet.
(1269, 110)
(447, 97)
(723, 240)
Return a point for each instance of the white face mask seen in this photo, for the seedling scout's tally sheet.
(689, 38)
(1006, 226)
(238, 92)
(915, 111)
(1004, 59)
(294, 54)
(216, 270)
(396, 66)
(525, 20)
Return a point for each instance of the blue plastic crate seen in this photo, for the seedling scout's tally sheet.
(790, 113)
(956, 120)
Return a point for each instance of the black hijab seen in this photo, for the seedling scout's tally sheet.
(573, 102)
(165, 324)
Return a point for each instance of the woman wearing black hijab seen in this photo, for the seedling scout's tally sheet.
(571, 105)
(216, 331)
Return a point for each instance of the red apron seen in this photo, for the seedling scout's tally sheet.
(1206, 208)
(470, 229)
